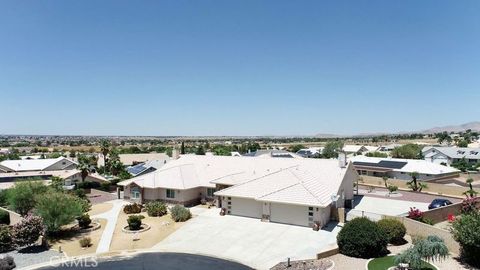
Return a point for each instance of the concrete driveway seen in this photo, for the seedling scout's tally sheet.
(374, 208)
(249, 241)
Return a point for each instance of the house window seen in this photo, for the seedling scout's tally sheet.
(210, 192)
(135, 193)
(170, 193)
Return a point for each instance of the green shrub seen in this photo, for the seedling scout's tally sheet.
(135, 222)
(180, 213)
(133, 208)
(4, 217)
(156, 209)
(362, 238)
(88, 185)
(58, 209)
(7, 263)
(85, 242)
(84, 221)
(6, 239)
(466, 232)
(105, 186)
(394, 230)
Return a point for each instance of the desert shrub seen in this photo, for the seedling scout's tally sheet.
(133, 208)
(466, 232)
(27, 231)
(4, 197)
(22, 196)
(431, 248)
(7, 263)
(57, 209)
(135, 222)
(180, 213)
(4, 217)
(105, 186)
(85, 242)
(394, 229)
(6, 239)
(392, 188)
(156, 209)
(469, 205)
(88, 185)
(362, 238)
(84, 221)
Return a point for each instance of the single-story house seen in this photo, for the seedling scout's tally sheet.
(272, 153)
(400, 168)
(134, 159)
(449, 155)
(285, 190)
(145, 167)
(312, 152)
(358, 149)
(29, 165)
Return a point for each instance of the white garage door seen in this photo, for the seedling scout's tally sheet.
(246, 207)
(289, 214)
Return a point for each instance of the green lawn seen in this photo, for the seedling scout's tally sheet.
(384, 263)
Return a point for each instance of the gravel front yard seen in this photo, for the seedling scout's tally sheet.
(32, 256)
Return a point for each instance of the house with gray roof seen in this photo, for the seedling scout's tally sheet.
(449, 155)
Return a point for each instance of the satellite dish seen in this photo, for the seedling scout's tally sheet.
(334, 197)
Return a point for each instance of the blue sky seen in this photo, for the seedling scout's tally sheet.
(237, 67)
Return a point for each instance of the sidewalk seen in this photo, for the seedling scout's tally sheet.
(111, 217)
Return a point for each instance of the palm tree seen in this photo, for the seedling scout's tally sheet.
(84, 170)
(105, 148)
(385, 179)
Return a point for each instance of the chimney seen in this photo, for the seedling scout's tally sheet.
(342, 159)
(175, 153)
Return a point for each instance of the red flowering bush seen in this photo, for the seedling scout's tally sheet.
(415, 214)
(27, 232)
(469, 205)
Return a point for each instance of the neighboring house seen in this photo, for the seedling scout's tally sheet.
(354, 149)
(146, 167)
(312, 152)
(449, 155)
(4, 151)
(400, 168)
(272, 153)
(285, 190)
(388, 147)
(30, 165)
(474, 144)
(134, 159)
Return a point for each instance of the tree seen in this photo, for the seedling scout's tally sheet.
(57, 183)
(462, 143)
(57, 209)
(22, 196)
(105, 148)
(470, 192)
(331, 149)
(84, 170)
(376, 154)
(27, 231)
(200, 150)
(407, 151)
(466, 233)
(182, 148)
(432, 248)
(297, 147)
(362, 238)
(414, 185)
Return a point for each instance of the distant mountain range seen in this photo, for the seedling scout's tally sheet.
(474, 126)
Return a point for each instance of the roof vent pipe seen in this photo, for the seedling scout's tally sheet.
(342, 159)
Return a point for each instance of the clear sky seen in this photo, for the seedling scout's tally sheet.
(237, 67)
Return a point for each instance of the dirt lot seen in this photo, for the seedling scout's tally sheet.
(100, 208)
(161, 227)
(71, 246)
